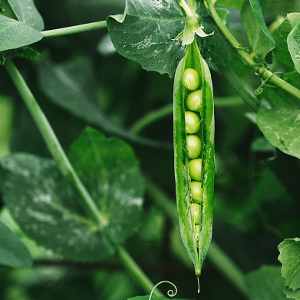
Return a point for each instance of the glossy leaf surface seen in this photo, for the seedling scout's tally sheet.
(27, 13)
(281, 50)
(149, 33)
(293, 42)
(49, 211)
(279, 118)
(290, 258)
(15, 34)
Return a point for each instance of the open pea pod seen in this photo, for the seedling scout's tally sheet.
(195, 206)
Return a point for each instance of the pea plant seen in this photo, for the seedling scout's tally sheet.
(161, 142)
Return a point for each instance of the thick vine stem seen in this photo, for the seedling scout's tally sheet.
(258, 69)
(74, 29)
(67, 170)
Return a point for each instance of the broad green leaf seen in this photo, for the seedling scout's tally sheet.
(293, 42)
(72, 86)
(258, 8)
(49, 211)
(13, 253)
(231, 3)
(279, 118)
(15, 34)
(281, 50)
(292, 294)
(27, 13)
(265, 284)
(149, 33)
(109, 170)
(260, 43)
(290, 258)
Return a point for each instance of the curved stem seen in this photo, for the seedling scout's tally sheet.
(215, 254)
(258, 69)
(74, 29)
(151, 117)
(68, 171)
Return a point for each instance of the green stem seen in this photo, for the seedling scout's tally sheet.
(68, 171)
(186, 8)
(52, 141)
(215, 254)
(258, 69)
(136, 272)
(167, 110)
(151, 117)
(74, 29)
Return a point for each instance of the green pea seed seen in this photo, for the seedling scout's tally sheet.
(192, 122)
(195, 169)
(193, 146)
(191, 79)
(194, 101)
(195, 211)
(196, 191)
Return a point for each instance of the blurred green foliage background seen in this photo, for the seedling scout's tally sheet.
(256, 186)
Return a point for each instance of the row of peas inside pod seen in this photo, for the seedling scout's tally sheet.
(193, 128)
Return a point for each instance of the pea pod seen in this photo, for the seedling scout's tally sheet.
(196, 237)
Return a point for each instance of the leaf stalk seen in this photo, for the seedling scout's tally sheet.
(74, 29)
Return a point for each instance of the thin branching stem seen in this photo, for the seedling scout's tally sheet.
(74, 29)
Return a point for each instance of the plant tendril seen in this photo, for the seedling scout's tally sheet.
(264, 83)
(170, 293)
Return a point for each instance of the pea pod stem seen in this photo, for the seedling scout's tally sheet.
(74, 29)
(67, 170)
(215, 253)
(248, 59)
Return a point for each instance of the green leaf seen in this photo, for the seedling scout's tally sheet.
(265, 284)
(279, 118)
(15, 34)
(231, 3)
(260, 43)
(293, 42)
(72, 86)
(292, 294)
(48, 210)
(150, 33)
(147, 32)
(27, 13)
(13, 253)
(258, 8)
(281, 50)
(110, 171)
(290, 258)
